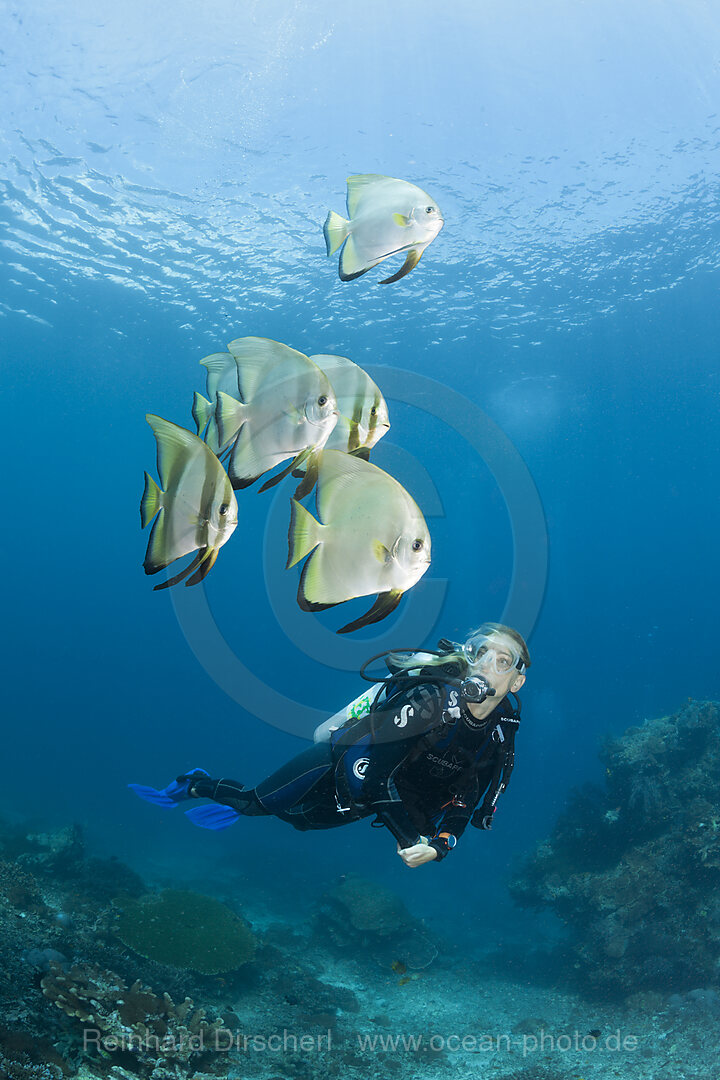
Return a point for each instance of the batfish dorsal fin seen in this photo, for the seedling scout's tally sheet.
(175, 445)
(218, 364)
(255, 356)
(337, 472)
(357, 186)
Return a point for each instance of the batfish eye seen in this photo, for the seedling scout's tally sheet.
(417, 545)
(373, 411)
(429, 209)
(224, 509)
(322, 400)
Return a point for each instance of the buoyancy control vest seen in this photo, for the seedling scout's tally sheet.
(351, 731)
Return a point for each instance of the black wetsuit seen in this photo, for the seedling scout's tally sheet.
(421, 763)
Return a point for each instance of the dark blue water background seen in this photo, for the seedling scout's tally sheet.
(164, 192)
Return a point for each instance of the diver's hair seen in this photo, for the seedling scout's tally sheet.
(407, 661)
(403, 661)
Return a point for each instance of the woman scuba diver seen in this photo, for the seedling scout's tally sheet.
(427, 750)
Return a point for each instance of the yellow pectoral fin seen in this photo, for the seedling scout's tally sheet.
(402, 221)
(381, 553)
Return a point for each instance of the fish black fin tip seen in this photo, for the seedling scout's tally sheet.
(239, 483)
(197, 557)
(271, 482)
(303, 603)
(351, 277)
(385, 603)
(308, 481)
(205, 566)
(411, 261)
(297, 460)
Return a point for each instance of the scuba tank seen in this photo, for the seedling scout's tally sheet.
(355, 710)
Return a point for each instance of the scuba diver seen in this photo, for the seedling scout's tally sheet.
(427, 749)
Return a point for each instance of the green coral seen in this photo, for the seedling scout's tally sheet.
(185, 930)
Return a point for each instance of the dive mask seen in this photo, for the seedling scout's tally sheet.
(490, 651)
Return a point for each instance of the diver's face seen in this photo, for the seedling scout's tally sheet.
(496, 664)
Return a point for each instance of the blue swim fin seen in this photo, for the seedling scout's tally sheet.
(176, 792)
(213, 816)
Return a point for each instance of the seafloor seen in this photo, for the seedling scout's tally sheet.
(104, 974)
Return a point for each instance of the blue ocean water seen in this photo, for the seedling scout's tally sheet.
(165, 178)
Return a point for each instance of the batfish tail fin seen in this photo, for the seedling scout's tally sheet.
(230, 416)
(151, 501)
(202, 411)
(303, 533)
(336, 230)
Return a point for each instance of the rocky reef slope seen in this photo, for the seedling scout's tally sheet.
(633, 869)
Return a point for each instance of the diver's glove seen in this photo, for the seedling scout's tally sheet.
(176, 792)
(481, 820)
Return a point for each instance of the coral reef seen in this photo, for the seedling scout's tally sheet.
(131, 1022)
(634, 869)
(368, 918)
(369, 907)
(185, 930)
(24, 1057)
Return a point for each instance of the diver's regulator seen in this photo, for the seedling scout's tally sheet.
(475, 689)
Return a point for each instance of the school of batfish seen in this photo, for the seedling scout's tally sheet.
(268, 405)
